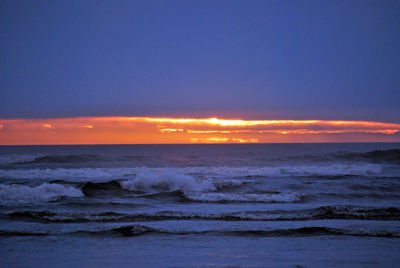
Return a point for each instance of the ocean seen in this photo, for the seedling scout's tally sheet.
(200, 205)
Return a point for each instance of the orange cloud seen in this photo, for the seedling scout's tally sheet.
(142, 130)
(169, 130)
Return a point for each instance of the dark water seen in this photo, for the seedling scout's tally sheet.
(257, 205)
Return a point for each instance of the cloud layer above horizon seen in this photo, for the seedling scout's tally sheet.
(152, 130)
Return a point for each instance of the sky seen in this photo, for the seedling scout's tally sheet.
(250, 60)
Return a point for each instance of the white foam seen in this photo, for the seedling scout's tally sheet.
(227, 184)
(121, 173)
(162, 180)
(333, 170)
(245, 197)
(43, 193)
(68, 173)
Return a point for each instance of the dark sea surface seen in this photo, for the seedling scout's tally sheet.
(228, 205)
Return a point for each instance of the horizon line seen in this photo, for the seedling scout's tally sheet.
(195, 144)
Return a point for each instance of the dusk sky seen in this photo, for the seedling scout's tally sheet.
(252, 60)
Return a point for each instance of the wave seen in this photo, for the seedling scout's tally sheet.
(361, 169)
(182, 189)
(72, 158)
(167, 180)
(311, 231)
(175, 189)
(208, 197)
(67, 173)
(47, 216)
(320, 213)
(158, 185)
(46, 192)
(384, 156)
(60, 159)
(218, 197)
(137, 230)
(168, 183)
(103, 188)
(48, 159)
(200, 189)
(15, 158)
(245, 197)
(392, 156)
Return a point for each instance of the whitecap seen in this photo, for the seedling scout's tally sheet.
(245, 197)
(43, 193)
(164, 180)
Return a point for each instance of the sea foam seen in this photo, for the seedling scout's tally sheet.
(245, 197)
(163, 180)
(43, 193)
(127, 172)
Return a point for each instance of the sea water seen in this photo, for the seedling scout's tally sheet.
(220, 205)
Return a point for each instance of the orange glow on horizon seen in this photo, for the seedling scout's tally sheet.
(149, 130)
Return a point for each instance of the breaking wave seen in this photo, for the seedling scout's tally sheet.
(166, 181)
(102, 188)
(43, 193)
(179, 173)
(184, 188)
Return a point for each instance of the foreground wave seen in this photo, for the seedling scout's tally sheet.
(198, 198)
(320, 213)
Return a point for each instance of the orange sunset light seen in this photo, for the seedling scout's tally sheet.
(149, 130)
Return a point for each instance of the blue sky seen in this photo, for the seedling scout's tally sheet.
(248, 59)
